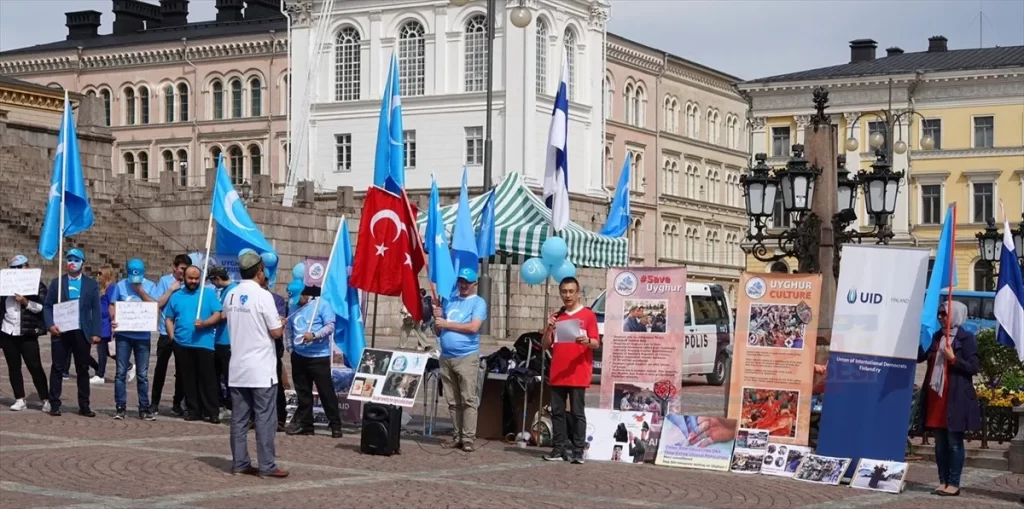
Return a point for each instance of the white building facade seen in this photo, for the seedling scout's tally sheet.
(442, 55)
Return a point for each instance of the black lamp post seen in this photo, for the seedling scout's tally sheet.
(990, 242)
(246, 190)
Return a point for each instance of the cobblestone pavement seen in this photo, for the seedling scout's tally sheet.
(73, 461)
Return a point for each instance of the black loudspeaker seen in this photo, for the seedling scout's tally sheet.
(382, 429)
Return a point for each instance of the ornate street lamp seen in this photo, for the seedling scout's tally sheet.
(797, 181)
(1018, 240)
(246, 190)
(989, 242)
(892, 118)
(760, 188)
(881, 187)
(847, 187)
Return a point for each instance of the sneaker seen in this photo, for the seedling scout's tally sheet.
(577, 458)
(456, 444)
(468, 447)
(119, 414)
(299, 430)
(146, 416)
(66, 376)
(54, 412)
(337, 433)
(97, 380)
(19, 405)
(557, 455)
(249, 470)
(176, 411)
(276, 474)
(131, 373)
(225, 414)
(46, 406)
(213, 420)
(85, 412)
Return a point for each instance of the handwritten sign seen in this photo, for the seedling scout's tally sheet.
(136, 316)
(65, 316)
(19, 281)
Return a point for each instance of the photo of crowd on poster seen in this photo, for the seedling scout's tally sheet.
(783, 460)
(401, 385)
(822, 469)
(375, 362)
(879, 475)
(640, 397)
(644, 315)
(774, 410)
(778, 325)
(613, 435)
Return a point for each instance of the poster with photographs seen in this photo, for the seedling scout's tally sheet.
(782, 460)
(774, 410)
(879, 475)
(351, 410)
(621, 437)
(701, 442)
(644, 315)
(751, 447)
(388, 377)
(822, 469)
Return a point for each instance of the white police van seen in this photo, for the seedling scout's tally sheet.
(709, 331)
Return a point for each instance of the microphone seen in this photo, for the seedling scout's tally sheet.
(560, 312)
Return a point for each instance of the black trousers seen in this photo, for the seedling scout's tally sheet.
(93, 363)
(198, 373)
(164, 352)
(307, 371)
(282, 412)
(79, 346)
(221, 361)
(16, 349)
(570, 430)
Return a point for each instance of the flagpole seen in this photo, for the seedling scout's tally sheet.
(952, 267)
(63, 186)
(327, 272)
(206, 259)
(419, 241)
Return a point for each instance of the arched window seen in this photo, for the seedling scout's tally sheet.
(236, 98)
(636, 240)
(667, 113)
(168, 158)
(542, 56)
(779, 267)
(476, 53)
(144, 104)
(105, 94)
(640, 105)
(627, 100)
(183, 102)
(183, 167)
(609, 97)
(570, 55)
(255, 97)
(666, 240)
(637, 173)
(143, 166)
(129, 164)
(129, 106)
(169, 103)
(674, 111)
(287, 95)
(218, 99)
(214, 158)
(412, 56)
(236, 171)
(255, 160)
(347, 65)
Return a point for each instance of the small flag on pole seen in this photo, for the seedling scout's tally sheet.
(556, 170)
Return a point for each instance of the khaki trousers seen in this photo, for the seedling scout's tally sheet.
(459, 378)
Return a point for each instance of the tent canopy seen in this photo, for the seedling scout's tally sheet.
(523, 223)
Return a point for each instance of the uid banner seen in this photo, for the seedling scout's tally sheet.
(875, 337)
(643, 349)
(773, 366)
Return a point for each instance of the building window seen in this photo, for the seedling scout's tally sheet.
(542, 56)
(183, 167)
(105, 94)
(984, 131)
(627, 101)
(880, 128)
(215, 158)
(780, 141)
(129, 164)
(636, 241)
(255, 160)
(343, 152)
(412, 55)
(236, 98)
(144, 104)
(780, 218)
(474, 146)
(409, 149)
(933, 127)
(693, 120)
(169, 103)
(636, 175)
(640, 106)
(983, 279)
(237, 172)
(476, 53)
(931, 204)
(218, 100)
(570, 56)
(347, 65)
(129, 106)
(982, 201)
(183, 102)
(255, 97)
(168, 157)
(143, 165)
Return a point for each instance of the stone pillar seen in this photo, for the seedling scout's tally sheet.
(899, 221)
(802, 121)
(758, 143)
(821, 148)
(1016, 452)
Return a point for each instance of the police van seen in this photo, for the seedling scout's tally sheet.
(709, 331)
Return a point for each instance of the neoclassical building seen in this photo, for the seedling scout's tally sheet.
(177, 94)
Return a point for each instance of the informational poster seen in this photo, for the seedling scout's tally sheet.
(643, 346)
(22, 282)
(137, 316)
(65, 315)
(700, 442)
(316, 269)
(875, 338)
(822, 469)
(773, 365)
(617, 436)
(388, 377)
(782, 460)
(351, 411)
(751, 447)
(879, 475)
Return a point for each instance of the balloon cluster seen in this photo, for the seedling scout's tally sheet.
(298, 284)
(552, 262)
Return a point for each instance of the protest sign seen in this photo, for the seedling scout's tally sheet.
(134, 316)
(316, 268)
(612, 435)
(22, 282)
(782, 460)
(700, 442)
(389, 377)
(65, 315)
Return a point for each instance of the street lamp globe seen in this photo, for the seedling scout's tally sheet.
(760, 188)
(927, 142)
(852, 144)
(900, 147)
(876, 140)
(520, 17)
(989, 242)
(458, 3)
(847, 187)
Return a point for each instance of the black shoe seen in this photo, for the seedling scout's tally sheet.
(213, 420)
(85, 412)
(299, 430)
(948, 494)
(557, 455)
(191, 418)
(119, 414)
(177, 412)
(336, 433)
(55, 412)
(577, 458)
(146, 416)
(280, 427)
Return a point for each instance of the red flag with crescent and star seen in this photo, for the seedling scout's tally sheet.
(388, 256)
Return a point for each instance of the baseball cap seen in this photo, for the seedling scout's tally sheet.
(248, 259)
(136, 271)
(468, 274)
(217, 271)
(76, 253)
(18, 261)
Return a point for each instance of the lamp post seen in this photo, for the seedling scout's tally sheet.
(883, 141)
(990, 246)
(520, 17)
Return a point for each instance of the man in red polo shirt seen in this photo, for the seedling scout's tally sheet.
(571, 368)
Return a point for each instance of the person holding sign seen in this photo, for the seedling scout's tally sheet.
(191, 317)
(19, 337)
(132, 343)
(572, 360)
(309, 332)
(71, 311)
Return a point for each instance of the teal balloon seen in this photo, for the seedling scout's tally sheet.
(294, 290)
(299, 271)
(553, 251)
(566, 269)
(533, 271)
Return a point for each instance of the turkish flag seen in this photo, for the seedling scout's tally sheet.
(389, 257)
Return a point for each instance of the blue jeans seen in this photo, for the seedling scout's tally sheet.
(949, 456)
(125, 349)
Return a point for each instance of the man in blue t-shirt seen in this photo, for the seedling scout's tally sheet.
(193, 335)
(165, 346)
(458, 329)
(134, 288)
(218, 276)
(310, 333)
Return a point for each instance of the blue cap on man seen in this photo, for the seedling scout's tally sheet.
(136, 271)
(468, 274)
(76, 253)
(18, 261)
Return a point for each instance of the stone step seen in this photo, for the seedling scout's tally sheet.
(994, 459)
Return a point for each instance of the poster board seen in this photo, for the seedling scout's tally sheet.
(749, 451)
(643, 348)
(388, 377)
(773, 365)
(616, 436)
(879, 475)
(66, 316)
(782, 460)
(822, 469)
(24, 282)
(134, 316)
(700, 442)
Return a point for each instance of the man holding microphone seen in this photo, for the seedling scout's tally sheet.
(572, 364)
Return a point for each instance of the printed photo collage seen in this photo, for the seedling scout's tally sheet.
(388, 376)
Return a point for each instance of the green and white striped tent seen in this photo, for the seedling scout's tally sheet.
(523, 222)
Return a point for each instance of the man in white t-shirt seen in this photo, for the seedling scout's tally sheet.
(253, 324)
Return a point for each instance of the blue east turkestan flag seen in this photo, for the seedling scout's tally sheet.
(67, 179)
(349, 333)
(485, 241)
(618, 217)
(464, 252)
(235, 229)
(1009, 303)
(441, 270)
(943, 276)
(388, 164)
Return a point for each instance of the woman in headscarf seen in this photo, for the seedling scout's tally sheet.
(949, 405)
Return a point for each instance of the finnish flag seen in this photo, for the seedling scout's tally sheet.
(1009, 304)
(556, 169)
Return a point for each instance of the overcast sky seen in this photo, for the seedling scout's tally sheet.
(746, 38)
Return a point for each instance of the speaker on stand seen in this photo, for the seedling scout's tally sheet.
(382, 429)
